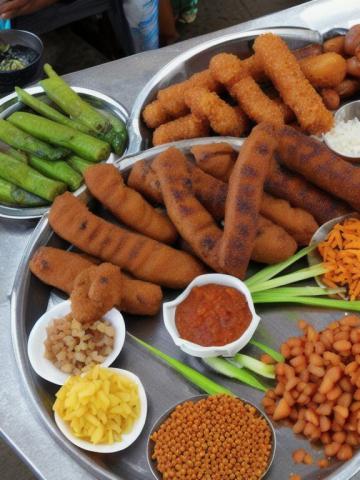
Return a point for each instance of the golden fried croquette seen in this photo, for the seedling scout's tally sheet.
(272, 243)
(182, 128)
(154, 114)
(301, 225)
(243, 200)
(141, 256)
(97, 290)
(208, 106)
(106, 184)
(59, 268)
(172, 97)
(326, 70)
(284, 71)
(230, 71)
(217, 159)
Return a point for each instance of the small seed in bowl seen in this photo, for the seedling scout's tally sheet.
(75, 347)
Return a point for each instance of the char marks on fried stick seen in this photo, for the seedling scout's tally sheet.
(317, 163)
(195, 225)
(143, 257)
(281, 66)
(244, 200)
(127, 205)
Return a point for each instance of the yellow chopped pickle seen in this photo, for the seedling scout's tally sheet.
(99, 406)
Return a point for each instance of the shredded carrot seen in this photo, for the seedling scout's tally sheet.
(341, 254)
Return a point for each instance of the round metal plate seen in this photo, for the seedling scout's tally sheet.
(10, 104)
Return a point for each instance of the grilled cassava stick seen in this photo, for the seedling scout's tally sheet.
(217, 159)
(300, 193)
(195, 225)
(316, 162)
(106, 184)
(244, 199)
(59, 268)
(143, 257)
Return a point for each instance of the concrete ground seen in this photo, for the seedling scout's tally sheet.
(213, 15)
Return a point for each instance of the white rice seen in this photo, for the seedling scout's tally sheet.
(344, 138)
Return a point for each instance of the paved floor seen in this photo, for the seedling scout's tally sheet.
(213, 15)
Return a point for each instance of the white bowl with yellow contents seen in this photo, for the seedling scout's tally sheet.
(127, 438)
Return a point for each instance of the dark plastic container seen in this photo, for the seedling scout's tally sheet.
(8, 80)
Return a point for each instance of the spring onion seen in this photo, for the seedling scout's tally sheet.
(256, 366)
(269, 272)
(302, 274)
(270, 297)
(227, 368)
(270, 351)
(201, 381)
(306, 291)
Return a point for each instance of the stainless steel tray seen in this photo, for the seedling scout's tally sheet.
(10, 104)
(31, 298)
(197, 59)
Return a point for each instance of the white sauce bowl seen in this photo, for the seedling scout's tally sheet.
(228, 350)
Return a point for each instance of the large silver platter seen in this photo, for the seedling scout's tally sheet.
(197, 59)
(31, 298)
(10, 104)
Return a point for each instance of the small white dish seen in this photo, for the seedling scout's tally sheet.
(36, 348)
(127, 438)
(228, 350)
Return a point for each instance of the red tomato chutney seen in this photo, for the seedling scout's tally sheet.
(212, 315)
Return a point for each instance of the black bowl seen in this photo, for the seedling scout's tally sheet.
(8, 80)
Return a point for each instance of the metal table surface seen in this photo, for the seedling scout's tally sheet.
(123, 80)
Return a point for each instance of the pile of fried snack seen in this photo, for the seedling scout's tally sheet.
(274, 85)
(271, 198)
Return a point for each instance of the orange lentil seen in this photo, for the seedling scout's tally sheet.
(221, 435)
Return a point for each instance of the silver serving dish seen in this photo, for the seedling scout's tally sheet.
(196, 398)
(10, 104)
(31, 298)
(197, 59)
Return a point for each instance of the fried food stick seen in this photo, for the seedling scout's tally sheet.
(294, 188)
(223, 119)
(272, 243)
(59, 268)
(282, 68)
(143, 179)
(154, 114)
(299, 223)
(217, 159)
(318, 164)
(244, 199)
(182, 128)
(143, 257)
(106, 184)
(229, 70)
(97, 289)
(172, 98)
(195, 225)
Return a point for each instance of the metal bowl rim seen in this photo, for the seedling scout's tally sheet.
(30, 34)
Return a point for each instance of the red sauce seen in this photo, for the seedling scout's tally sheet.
(212, 315)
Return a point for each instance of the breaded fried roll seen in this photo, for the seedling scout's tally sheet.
(141, 256)
(106, 184)
(182, 128)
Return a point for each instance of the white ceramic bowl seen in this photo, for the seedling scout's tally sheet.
(228, 350)
(36, 348)
(127, 438)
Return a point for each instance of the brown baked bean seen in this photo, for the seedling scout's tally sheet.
(310, 416)
(325, 438)
(282, 410)
(291, 383)
(345, 385)
(294, 342)
(312, 334)
(298, 455)
(339, 437)
(331, 449)
(319, 398)
(308, 459)
(342, 335)
(348, 87)
(352, 439)
(345, 400)
(299, 426)
(295, 351)
(317, 371)
(285, 350)
(309, 348)
(324, 423)
(334, 393)
(304, 376)
(335, 44)
(344, 453)
(342, 411)
(298, 361)
(324, 409)
(323, 463)
(332, 357)
(288, 398)
(316, 359)
(303, 399)
(350, 320)
(342, 345)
